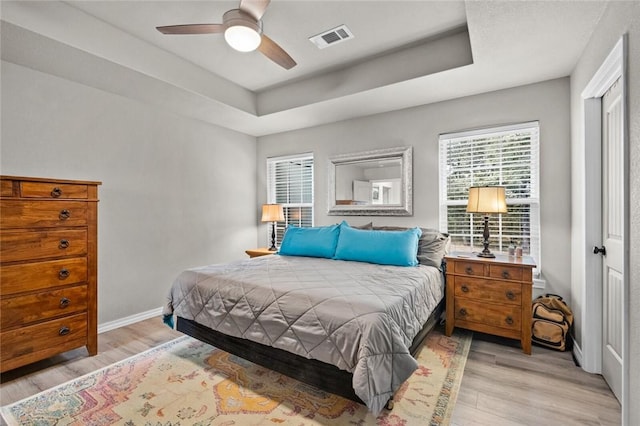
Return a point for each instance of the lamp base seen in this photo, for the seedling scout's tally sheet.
(273, 238)
(488, 255)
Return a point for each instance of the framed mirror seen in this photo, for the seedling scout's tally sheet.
(371, 183)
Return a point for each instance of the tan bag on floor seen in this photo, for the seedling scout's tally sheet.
(551, 323)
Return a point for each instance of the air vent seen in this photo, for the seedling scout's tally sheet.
(331, 37)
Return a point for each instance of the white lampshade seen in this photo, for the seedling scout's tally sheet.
(272, 213)
(487, 199)
(242, 38)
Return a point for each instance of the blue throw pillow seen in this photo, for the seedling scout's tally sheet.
(383, 247)
(318, 241)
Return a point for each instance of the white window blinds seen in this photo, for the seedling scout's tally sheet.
(506, 156)
(290, 183)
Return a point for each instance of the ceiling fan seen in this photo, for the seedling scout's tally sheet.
(242, 30)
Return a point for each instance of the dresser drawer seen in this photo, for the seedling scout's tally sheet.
(487, 290)
(34, 342)
(21, 310)
(505, 272)
(495, 315)
(29, 214)
(469, 268)
(53, 190)
(15, 245)
(35, 276)
(6, 188)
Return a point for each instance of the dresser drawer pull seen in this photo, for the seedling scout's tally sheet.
(463, 312)
(509, 320)
(63, 244)
(56, 192)
(505, 274)
(64, 214)
(63, 273)
(469, 270)
(64, 330)
(464, 288)
(510, 295)
(64, 302)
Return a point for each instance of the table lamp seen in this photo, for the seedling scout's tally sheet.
(272, 213)
(486, 200)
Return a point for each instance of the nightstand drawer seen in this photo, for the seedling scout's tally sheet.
(502, 316)
(505, 272)
(6, 188)
(469, 268)
(486, 290)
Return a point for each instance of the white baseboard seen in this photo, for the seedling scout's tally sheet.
(577, 353)
(111, 325)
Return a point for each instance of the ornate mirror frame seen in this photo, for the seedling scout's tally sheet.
(404, 208)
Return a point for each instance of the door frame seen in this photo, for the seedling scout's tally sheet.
(613, 67)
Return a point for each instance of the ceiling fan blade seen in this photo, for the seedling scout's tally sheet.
(192, 29)
(255, 8)
(271, 50)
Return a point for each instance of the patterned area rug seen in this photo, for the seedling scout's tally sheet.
(187, 382)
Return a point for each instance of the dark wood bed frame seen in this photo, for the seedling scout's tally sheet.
(310, 371)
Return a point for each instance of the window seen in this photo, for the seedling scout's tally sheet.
(506, 156)
(290, 183)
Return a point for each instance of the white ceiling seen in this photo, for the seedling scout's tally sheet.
(405, 53)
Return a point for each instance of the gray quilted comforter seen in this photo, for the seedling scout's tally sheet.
(357, 316)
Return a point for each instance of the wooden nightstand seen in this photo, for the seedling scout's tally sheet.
(490, 295)
(262, 251)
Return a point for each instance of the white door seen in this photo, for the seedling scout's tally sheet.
(362, 191)
(612, 237)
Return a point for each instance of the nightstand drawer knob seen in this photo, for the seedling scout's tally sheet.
(469, 270)
(64, 330)
(56, 192)
(509, 320)
(64, 302)
(64, 214)
(510, 295)
(464, 288)
(63, 273)
(463, 312)
(505, 274)
(63, 244)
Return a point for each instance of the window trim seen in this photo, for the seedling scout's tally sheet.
(533, 200)
(271, 191)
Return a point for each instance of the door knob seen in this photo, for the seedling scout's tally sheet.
(601, 250)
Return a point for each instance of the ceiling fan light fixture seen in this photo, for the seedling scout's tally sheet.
(243, 32)
(242, 39)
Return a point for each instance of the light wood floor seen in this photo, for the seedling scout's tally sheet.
(500, 386)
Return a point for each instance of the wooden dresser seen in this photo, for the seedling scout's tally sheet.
(48, 268)
(490, 295)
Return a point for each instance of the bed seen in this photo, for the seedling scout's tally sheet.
(349, 327)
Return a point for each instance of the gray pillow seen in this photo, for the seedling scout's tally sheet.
(432, 245)
(366, 226)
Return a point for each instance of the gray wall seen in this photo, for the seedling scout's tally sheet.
(420, 127)
(619, 18)
(166, 202)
